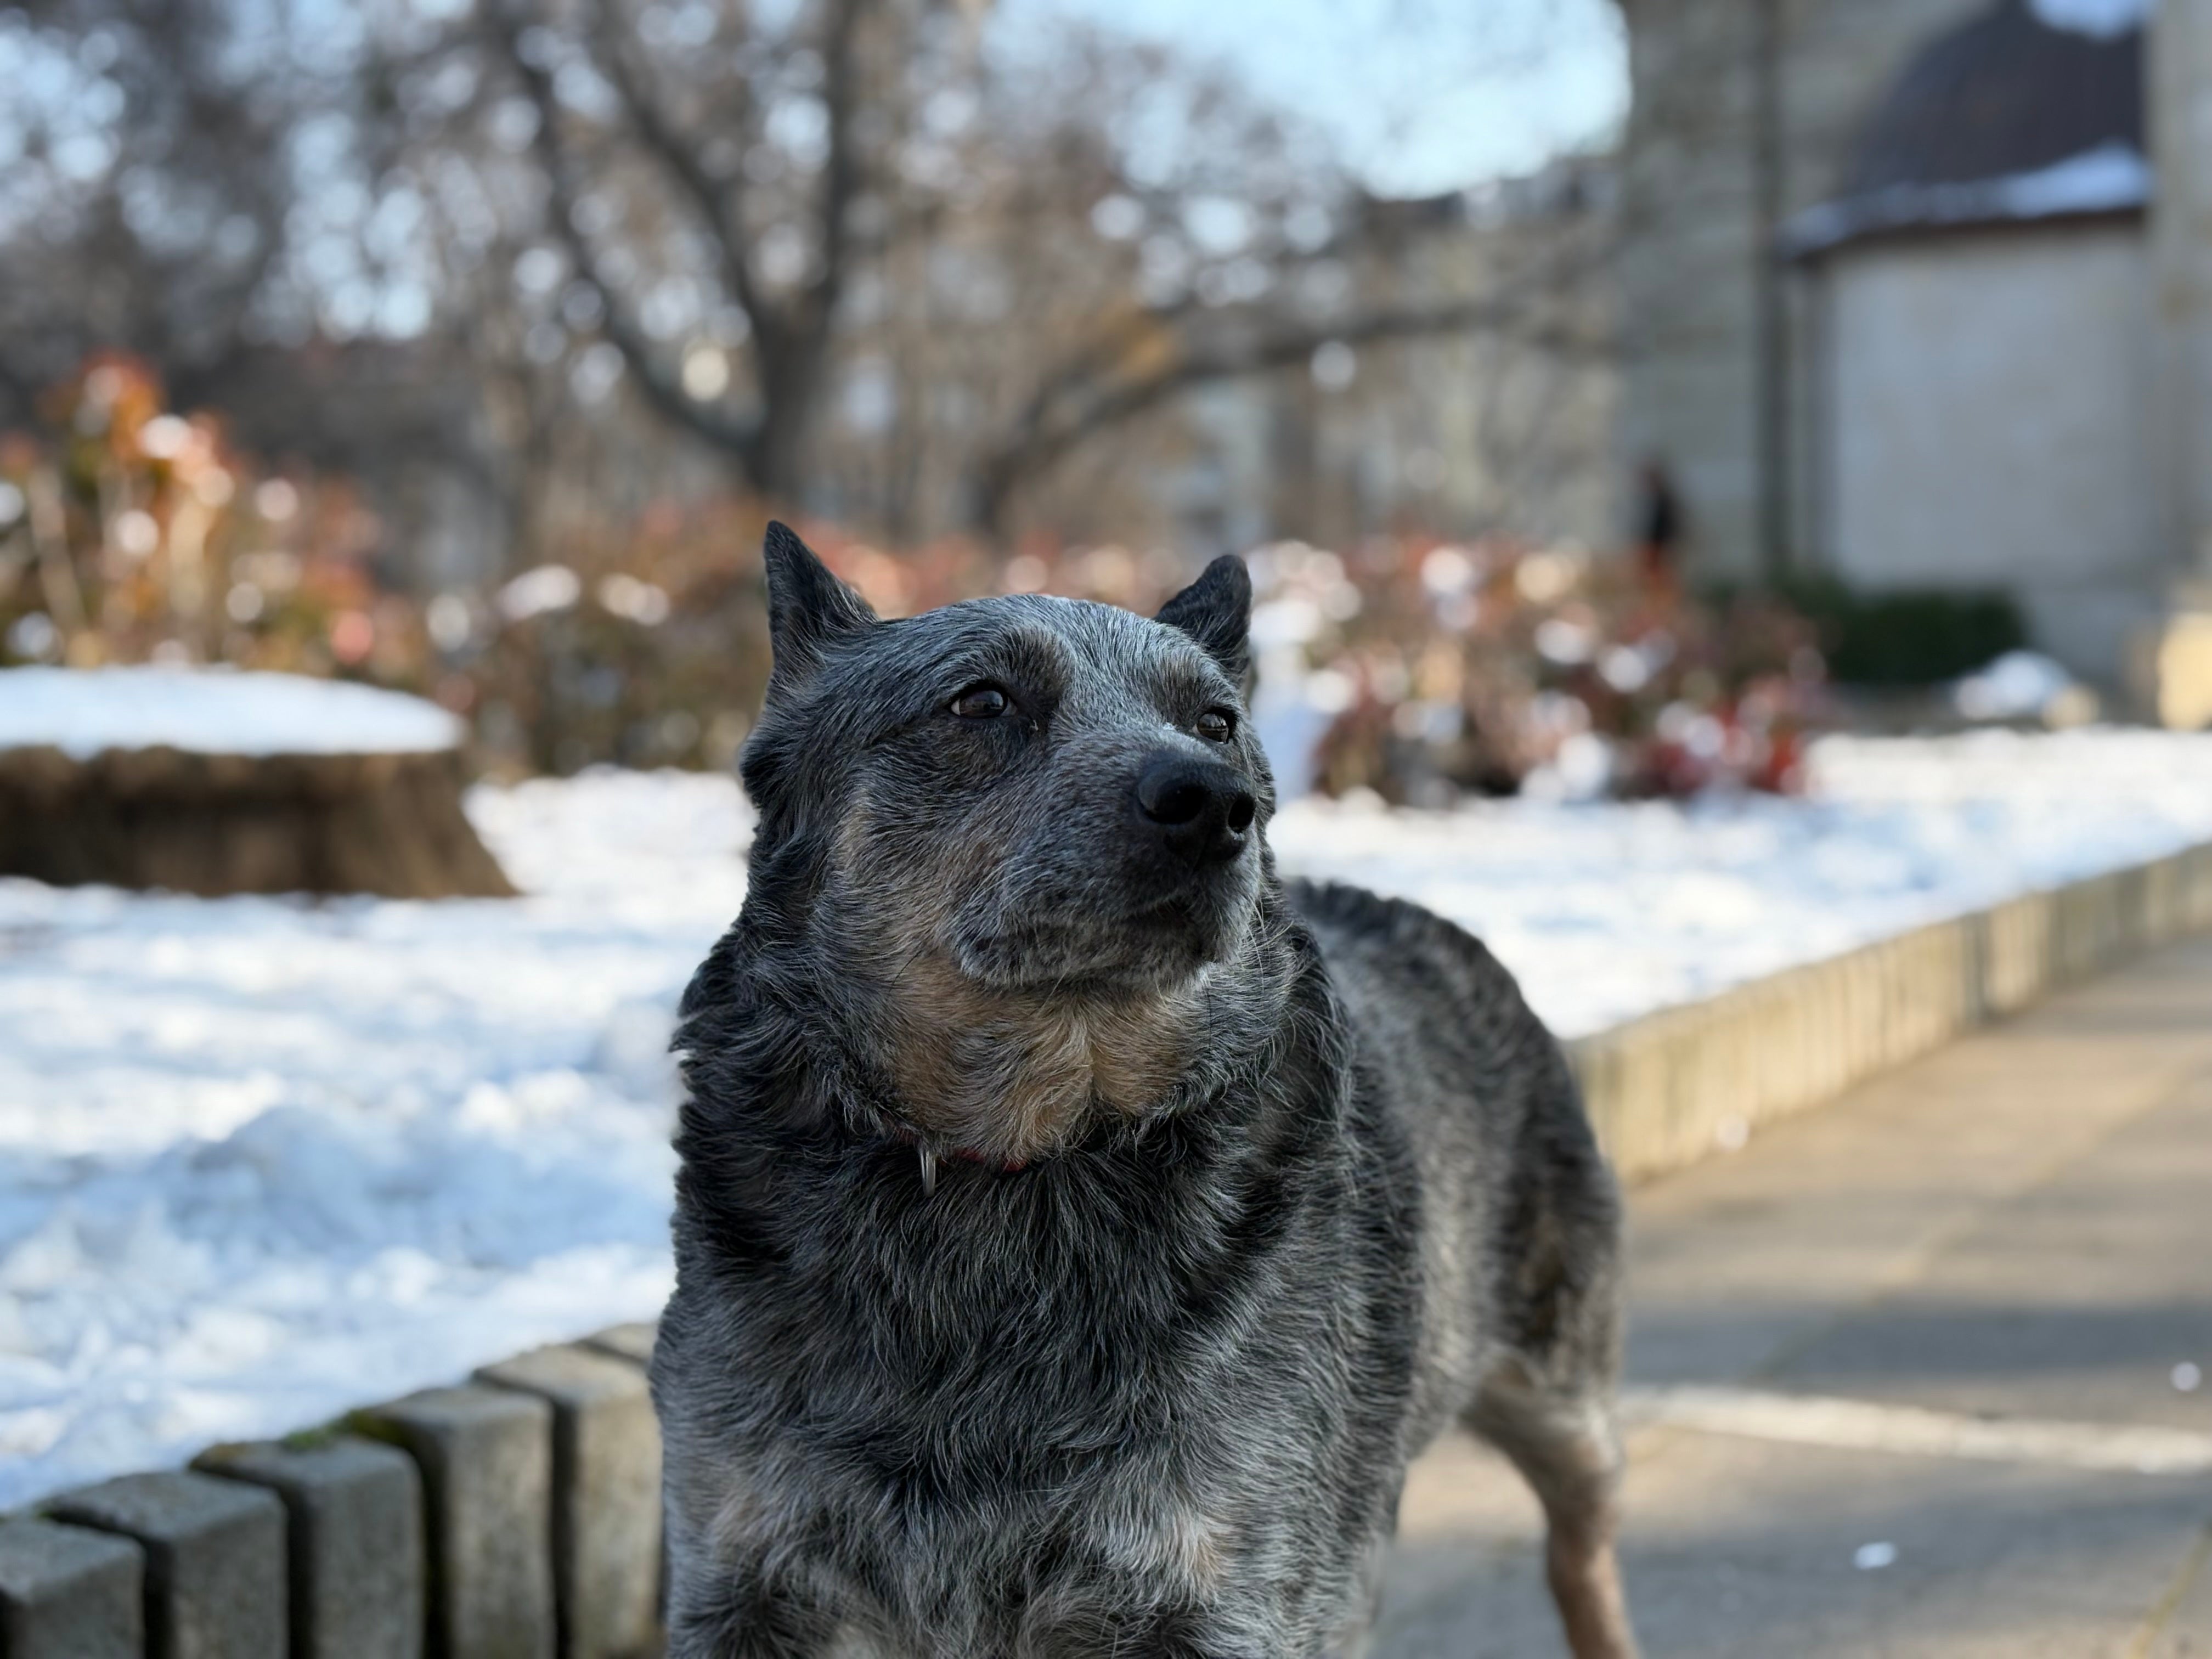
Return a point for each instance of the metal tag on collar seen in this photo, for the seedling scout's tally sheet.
(928, 1172)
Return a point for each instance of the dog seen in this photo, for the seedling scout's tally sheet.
(1078, 1228)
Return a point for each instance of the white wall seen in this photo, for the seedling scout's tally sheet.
(1990, 400)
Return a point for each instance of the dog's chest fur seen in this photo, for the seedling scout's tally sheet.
(1013, 1077)
(1158, 1372)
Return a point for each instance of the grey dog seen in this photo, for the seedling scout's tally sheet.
(1078, 1228)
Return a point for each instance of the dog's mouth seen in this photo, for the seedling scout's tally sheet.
(1150, 945)
(1186, 917)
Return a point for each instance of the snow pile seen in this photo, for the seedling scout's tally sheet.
(261, 1160)
(2105, 18)
(213, 711)
(2020, 685)
(1607, 912)
(2109, 178)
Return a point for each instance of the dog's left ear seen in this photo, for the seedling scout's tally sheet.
(1216, 611)
(808, 608)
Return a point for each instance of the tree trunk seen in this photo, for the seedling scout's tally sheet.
(791, 366)
(212, 824)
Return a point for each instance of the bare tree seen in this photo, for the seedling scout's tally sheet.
(1104, 387)
(870, 257)
(778, 177)
(143, 208)
(692, 132)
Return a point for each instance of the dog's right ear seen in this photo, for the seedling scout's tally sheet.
(808, 608)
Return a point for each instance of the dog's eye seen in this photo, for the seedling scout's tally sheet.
(981, 703)
(1216, 726)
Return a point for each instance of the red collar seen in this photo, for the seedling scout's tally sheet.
(929, 1156)
(997, 1165)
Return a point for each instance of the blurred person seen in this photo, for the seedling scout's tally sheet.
(1658, 528)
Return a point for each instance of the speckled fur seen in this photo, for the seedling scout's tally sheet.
(1305, 1183)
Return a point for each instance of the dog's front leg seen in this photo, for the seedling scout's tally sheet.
(1195, 1634)
(740, 1615)
(725, 1599)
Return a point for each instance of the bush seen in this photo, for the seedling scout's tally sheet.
(130, 533)
(1907, 638)
(1497, 665)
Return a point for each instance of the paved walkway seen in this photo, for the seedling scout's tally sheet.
(1898, 1368)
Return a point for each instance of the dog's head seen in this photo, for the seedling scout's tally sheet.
(1026, 825)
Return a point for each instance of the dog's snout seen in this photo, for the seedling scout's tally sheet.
(1199, 808)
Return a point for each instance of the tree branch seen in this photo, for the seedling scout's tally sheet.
(1042, 440)
(719, 203)
(841, 172)
(663, 391)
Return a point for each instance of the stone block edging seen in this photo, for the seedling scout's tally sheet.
(1670, 1088)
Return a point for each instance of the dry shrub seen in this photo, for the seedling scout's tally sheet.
(1497, 665)
(130, 533)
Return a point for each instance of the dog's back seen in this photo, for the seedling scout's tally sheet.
(1519, 1214)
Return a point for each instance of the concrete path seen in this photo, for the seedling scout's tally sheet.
(1926, 1372)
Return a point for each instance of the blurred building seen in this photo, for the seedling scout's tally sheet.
(1503, 428)
(1918, 294)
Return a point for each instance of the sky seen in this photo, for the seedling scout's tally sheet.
(1423, 95)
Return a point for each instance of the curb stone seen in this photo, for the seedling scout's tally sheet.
(215, 1560)
(486, 1458)
(1666, 1090)
(69, 1593)
(606, 1495)
(356, 1563)
(632, 1342)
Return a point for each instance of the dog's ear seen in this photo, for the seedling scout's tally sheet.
(1216, 611)
(808, 608)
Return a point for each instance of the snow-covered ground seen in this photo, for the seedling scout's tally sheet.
(263, 1159)
(214, 710)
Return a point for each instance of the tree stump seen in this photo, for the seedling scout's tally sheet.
(93, 807)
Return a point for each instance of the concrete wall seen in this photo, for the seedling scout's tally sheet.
(2173, 664)
(1989, 396)
(2181, 240)
(1692, 241)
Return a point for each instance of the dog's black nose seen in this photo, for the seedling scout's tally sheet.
(1199, 808)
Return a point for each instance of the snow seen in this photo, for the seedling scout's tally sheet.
(2110, 178)
(213, 711)
(261, 1160)
(2105, 18)
(2017, 686)
(1607, 912)
(2112, 175)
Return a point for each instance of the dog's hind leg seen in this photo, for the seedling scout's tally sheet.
(1563, 1443)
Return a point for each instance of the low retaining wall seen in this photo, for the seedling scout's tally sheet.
(1666, 1090)
(517, 1517)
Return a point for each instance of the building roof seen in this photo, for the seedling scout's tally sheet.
(2032, 110)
